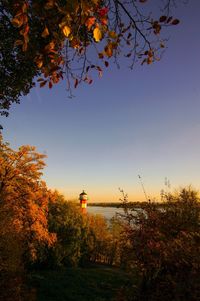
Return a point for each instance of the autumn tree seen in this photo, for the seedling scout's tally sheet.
(98, 238)
(65, 219)
(103, 240)
(23, 209)
(80, 238)
(161, 246)
(55, 39)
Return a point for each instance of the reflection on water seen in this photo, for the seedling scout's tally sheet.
(107, 212)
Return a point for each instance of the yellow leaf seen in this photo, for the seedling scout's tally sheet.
(97, 34)
(66, 30)
(45, 32)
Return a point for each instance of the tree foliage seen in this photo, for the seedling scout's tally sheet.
(65, 219)
(162, 246)
(23, 213)
(24, 194)
(81, 238)
(40, 226)
(57, 39)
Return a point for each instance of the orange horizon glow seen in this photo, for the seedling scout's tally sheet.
(94, 196)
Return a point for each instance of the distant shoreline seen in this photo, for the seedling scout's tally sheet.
(122, 205)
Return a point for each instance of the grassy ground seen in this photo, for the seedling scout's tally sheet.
(86, 284)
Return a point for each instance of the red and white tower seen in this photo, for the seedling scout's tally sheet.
(83, 197)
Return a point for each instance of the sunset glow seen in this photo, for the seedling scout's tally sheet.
(128, 123)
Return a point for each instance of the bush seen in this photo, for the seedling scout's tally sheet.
(162, 245)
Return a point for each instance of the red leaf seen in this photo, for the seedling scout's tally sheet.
(175, 22)
(103, 11)
(163, 19)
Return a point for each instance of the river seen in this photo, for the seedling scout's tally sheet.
(107, 212)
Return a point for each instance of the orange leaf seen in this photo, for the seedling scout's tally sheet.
(104, 21)
(42, 84)
(45, 32)
(39, 63)
(109, 50)
(90, 21)
(17, 21)
(112, 35)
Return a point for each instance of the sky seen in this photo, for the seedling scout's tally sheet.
(144, 121)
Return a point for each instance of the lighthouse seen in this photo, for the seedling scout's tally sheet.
(83, 197)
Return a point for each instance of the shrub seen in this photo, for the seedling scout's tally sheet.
(162, 244)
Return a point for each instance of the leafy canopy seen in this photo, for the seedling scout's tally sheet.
(55, 39)
(24, 201)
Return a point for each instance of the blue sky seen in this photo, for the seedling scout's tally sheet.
(145, 121)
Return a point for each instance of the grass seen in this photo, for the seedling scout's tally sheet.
(78, 284)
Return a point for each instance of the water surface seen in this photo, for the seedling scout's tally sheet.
(107, 212)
